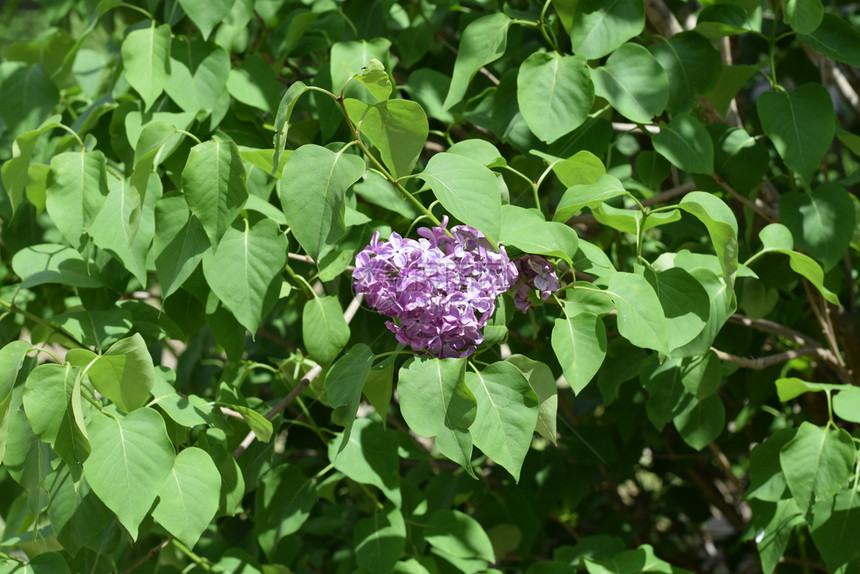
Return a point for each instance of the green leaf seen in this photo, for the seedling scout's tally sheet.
(370, 457)
(738, 157)
(398, 129)
(685, 142)
(48, 263)
(633, 82)
(777, 238)
(380, 539)
(801, 124)
(188, 411)
(667, 395)
(817, 462)
(701, 422)
(259, 425)
(12, 357)
(834, 525)
(75, 192)
(206, 14)
(467, 189)
(775, 522)
(146, 57)
(131, 458)
(282, 120)
(788, 388)
(582, 168)
(344, 383)
(846, 404)
(52, 394)
(767, 481)
(179, 242)
(587, 195)
(685, 303)
(726, 19)
(483, 41)
(599, 28)
(702, 375)
(15, 171)
(375, 79)
(722, 228)
(542, 382)
(507, 414)
(527, 231)
(198, 77)
(652, 169)
(641, 559)
(348, 59)
(803, 16)
(255, 84)
(435, 401)
(312, 190)
(213, 183)
(125, 373)
(324, 330)
(579, 343)
(555, 94)
(112, 229)
(458, 534)
(836, 38)
(283, 501)
(78, 518)
(732, 79)
(243, 269)
(692, 65)
(28, 461)
(29, 98)
(188, 499)
(821, 221)
(640, 315)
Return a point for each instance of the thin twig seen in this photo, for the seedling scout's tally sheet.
(760, 363)
(152, 552)
(763, 210)
(775, 328)
(822, 313)
(634, 128)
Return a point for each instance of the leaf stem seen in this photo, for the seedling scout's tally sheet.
(302, 282)
(38, 320)
(381, 168)
(202, 562)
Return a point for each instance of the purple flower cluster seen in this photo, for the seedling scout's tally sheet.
(535, 272)
(440, 289)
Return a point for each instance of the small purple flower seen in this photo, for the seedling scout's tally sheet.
(440, 290)
(535, 272)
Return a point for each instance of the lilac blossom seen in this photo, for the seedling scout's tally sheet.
(440, 290)
(535, 272)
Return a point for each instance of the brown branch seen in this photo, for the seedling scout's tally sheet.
(832, 75)
(776, 329)
(764, 362)
(822, 313)
(763, 210)
(661, 18)
(152, 552)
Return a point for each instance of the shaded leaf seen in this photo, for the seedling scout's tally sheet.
(130, 461)
(483, 41)
(506, 416)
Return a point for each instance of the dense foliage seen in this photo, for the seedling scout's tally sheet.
(189, 380)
